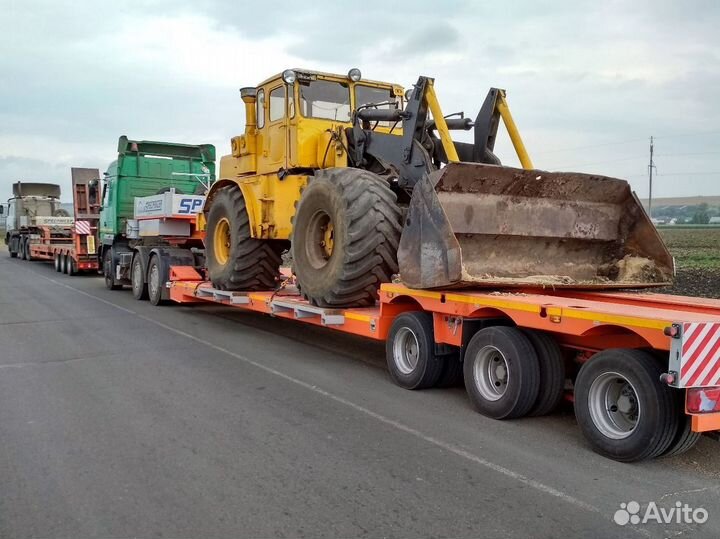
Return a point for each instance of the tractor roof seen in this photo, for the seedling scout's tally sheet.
(309, 74)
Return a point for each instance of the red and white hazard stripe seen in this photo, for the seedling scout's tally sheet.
(700, 362)
(82, 227)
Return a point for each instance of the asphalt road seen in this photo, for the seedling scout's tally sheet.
(120, 419)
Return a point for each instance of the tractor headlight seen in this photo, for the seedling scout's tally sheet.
(289, 76)
(354, 74)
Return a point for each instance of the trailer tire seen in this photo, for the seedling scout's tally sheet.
(685, 439)
(502, 372)
(56, 261)
(621, 406)
(23, 247)
(65, 267)
(236, 260)
(28, 252)
(452, 371)
(108, 272)
(552, 372)
(410, 351)
(155, 281)
(71, 270)
(345, 238)
(137, 275)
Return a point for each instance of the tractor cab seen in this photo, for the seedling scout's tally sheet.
(295, 120)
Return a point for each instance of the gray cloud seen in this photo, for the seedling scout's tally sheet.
(578, 74)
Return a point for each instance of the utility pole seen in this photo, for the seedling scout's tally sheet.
(651, 166)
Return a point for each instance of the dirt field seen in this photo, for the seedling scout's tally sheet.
(697, 255)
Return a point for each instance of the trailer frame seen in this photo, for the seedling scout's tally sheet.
(582, 323)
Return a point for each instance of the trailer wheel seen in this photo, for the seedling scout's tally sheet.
(623, 409)
(108, 271)
(155, 281)
(410, 351)
(65, 263)
(552, 372)
(502, 373)
(71, 270)
(23, 249)
(28, 252)
(685, 439)
(139, 286)
(56, 261)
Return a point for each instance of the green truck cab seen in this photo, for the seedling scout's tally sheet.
(142, 169)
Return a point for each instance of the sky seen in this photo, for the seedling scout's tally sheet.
(588, 83)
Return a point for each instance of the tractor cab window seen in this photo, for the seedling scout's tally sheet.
(277, 103)
(382, 97)
(326, 100)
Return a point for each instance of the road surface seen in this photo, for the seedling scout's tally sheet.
(120, 419)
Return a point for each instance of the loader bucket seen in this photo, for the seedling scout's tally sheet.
(475, 225)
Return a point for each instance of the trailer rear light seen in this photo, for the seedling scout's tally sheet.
(672, 331)
(703, 399)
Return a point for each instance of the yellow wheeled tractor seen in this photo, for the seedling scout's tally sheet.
(361, 181)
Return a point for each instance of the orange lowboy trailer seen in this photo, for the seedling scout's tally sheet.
(642, 369)
(73, 250)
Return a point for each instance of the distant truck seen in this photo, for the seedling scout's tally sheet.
(34, 210)
(150, 195)
(72, 246)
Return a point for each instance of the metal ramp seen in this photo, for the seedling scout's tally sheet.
(235, 298)
(279, 305)
(328, 317)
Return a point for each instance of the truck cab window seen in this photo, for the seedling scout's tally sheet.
(277, 104)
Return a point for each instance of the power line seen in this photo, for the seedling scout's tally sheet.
(602, 162)
(587, 147)
(685, 153)
(681, 135)
(700, 133)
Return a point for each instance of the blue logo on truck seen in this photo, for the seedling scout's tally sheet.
(190, 205)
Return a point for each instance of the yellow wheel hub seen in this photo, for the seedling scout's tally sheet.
(328, 239)
(221, 241)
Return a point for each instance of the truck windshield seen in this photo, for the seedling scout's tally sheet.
(325, 99)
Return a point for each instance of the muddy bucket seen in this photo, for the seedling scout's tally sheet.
(474, 225)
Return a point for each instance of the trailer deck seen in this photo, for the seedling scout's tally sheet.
(587, 322)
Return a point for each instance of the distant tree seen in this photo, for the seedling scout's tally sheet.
(700, 218)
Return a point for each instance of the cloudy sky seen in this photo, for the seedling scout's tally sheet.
(588, 82)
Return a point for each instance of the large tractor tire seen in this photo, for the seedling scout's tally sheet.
(345, 238)
(235, 260)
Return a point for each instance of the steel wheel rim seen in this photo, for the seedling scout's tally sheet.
(153, 279)
(137, 277)
(406, 350)
(321, 239)
(491, 373)
(614, 407)
(221, 241)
